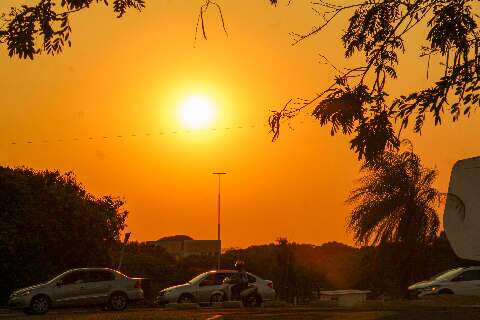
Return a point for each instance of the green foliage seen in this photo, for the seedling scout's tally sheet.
(395, 202)
(379, 268)
(160, 269)
(144, 260)
(394, 208)
(302, 270)
(296, 270)
(49, 223)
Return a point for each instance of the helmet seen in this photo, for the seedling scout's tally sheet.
(239, 265)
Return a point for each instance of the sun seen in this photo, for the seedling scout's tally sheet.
(197, 111)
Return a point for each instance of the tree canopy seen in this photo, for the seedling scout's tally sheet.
(394, 210)
(395, 202)
(50, 223)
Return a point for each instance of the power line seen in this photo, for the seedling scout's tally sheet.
(132, 135)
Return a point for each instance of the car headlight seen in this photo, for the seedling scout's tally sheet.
(21, 293)
(165, 292)
(430, 289)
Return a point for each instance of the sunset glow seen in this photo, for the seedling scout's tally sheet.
(197, 112)
(171, 99)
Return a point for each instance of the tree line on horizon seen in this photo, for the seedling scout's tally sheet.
(50, 223)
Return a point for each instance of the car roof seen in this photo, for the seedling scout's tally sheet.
(223, 271)
(230, 271)
(226, 271)
(92, 269)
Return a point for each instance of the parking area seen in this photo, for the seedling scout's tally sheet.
(302, 313)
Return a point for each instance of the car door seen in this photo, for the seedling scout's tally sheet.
(69, 289)
(467, 283)
(98, 286)
(206, 287)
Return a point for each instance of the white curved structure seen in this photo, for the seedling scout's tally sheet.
(462, 209)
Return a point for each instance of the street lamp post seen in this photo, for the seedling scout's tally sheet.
(219, 174)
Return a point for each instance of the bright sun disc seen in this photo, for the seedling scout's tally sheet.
(197, 112)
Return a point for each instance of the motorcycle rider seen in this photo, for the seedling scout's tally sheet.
(239, 280)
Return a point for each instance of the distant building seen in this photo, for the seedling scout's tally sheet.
(183, 246)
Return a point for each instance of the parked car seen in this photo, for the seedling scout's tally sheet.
(208, 288)
(79, 287)
(461, 281)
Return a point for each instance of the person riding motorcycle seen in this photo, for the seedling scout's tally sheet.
(239, 280)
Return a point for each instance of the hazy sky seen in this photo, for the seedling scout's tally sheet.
(128, 76)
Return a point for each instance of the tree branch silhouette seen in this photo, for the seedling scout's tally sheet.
(29, 30)
(201, 18)
(358, 103)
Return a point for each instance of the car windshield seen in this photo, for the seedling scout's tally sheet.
(59, 276)
(198, 278)
(446, 275)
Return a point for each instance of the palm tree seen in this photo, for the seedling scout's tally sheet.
(396, 202)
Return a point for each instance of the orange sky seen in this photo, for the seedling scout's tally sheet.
(127, 76)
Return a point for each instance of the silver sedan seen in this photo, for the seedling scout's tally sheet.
(79, 287)
(208, 288)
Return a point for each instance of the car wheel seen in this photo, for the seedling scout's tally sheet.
(185, 298)
(118, 301)
(253, 300)
(39, 305)
(216, 298)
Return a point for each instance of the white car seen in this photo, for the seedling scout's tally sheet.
(79, 287)
(461, 281)
(208, 288)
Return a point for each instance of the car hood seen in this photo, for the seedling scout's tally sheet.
(423, 285)
(37, 286)
(178, 287)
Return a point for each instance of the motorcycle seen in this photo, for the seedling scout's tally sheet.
(249, 296)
